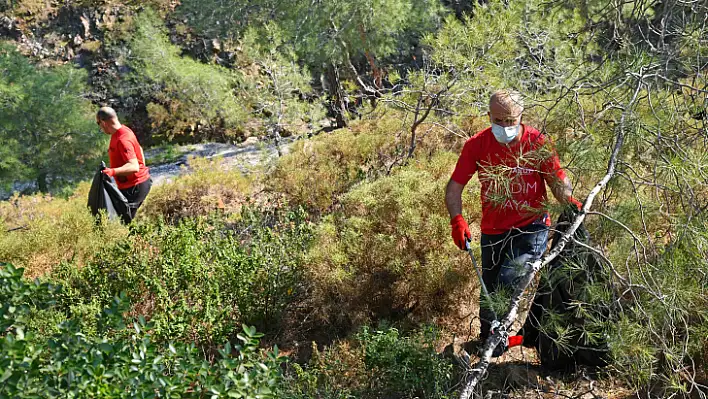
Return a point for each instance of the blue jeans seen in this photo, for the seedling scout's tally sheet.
(506, 258)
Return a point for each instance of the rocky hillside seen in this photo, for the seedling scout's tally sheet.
(100, 37)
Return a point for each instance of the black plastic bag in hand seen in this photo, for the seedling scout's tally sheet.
(563, 288)
(104, 194)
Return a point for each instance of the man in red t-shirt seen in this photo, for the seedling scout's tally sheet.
(127, 162)
(513, 162)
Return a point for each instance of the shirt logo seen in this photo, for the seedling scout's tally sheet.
(522, 171)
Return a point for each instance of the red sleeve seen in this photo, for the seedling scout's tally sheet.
(466, 164)
(126, 149)
(551, 165)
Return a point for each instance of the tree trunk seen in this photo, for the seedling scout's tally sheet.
(338, 103)
(42, 182)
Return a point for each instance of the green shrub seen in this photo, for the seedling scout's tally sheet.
(198, 280)
(406, 366)
(18, 297)
(388, 253)
(122, 360)
(48, 131)
(658, 331)
(378, 364)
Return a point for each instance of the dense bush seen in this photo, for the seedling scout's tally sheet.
(121, 360)
(376, 364)
(387, 253)
(317, 172)
(197, 281)
(208, 187)
(188, 98)
(660, 331)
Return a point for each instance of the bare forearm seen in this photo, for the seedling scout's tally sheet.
(127, 169)
(453, 198)
(562, 190)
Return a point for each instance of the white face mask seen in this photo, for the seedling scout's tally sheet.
(505, 135)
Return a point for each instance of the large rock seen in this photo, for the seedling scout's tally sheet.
(251, 141)
(8, 28)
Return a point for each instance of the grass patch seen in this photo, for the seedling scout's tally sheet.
(51, 230)
(317, 172)
(166, 153)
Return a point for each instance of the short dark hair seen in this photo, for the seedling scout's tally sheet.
(106, 114)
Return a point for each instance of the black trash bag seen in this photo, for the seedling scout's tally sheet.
(566, 321)
(104, 194)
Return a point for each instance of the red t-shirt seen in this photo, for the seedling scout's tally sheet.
(512, 177)
(124, 146)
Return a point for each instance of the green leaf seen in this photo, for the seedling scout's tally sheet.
(105, 347)
(7, 374)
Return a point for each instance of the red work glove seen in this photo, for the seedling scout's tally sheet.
(576, 203)
(460, 232)
(109, 172)
(515, 340)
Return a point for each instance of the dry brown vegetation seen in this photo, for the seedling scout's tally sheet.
(380, 257)
(38, 232)
(317, 172)
(208, 187)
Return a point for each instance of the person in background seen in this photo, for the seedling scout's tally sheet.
(126, 159)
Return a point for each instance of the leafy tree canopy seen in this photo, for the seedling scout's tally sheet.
(47, 128)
